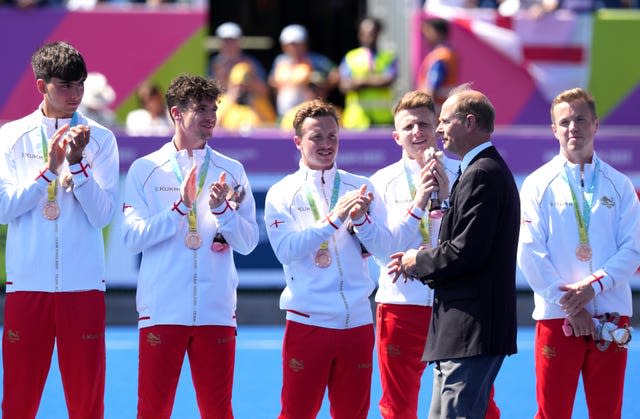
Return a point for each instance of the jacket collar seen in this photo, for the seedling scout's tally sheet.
(472, 154)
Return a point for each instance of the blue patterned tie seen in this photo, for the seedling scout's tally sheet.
(455, 183)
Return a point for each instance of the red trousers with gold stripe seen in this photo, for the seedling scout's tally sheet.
(33, 322)
(559, 362)
(211, 351)
(315, 358)
(401, 334)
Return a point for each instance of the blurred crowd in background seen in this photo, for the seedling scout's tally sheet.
(360, 84)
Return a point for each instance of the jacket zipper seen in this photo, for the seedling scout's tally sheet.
(56, 257)
(341, 282)
(195, 287)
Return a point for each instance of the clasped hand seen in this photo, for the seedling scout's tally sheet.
(577, 295)
(402, 264)
(433, 178)
(582, 323)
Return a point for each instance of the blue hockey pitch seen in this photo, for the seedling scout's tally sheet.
(257, 381)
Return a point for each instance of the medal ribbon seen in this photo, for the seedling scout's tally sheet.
(424, 226)
(583, 218)
(202, 176)
(52, 188)
(314, 207)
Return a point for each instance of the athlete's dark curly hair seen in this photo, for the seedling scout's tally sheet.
(187, 88)
(58, 59)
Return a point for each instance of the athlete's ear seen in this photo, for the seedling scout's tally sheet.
(396, 137)
(298, 142)
(41, 85)
(175, 113)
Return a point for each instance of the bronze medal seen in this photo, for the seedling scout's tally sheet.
(323, 258)
(51, 210)
(583, 252)
(192, 240)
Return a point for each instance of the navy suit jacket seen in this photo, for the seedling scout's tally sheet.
(473, 269)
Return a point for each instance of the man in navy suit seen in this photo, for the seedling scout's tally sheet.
(473, 269)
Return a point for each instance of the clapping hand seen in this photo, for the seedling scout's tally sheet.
(218, 191)
(188, 187)
(57, 149)
(77, 139)
(362, 203)
(356, 201)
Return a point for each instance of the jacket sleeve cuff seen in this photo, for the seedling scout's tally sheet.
(361, 221)
(600, 281)
(222, 208)
(80, 172)
(45, 177)
(334, 220)
(223, 211)
(180, 208)
(415, 212)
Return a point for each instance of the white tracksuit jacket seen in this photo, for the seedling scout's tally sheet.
(66, 254)
(391, 183)
(549, 236)
(335, 297)
(178, 285)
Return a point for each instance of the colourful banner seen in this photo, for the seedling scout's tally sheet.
(127, 45)
(272, 152)
(519, 62)
(522, 62)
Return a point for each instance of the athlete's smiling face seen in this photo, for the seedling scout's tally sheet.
(197, 120)
(415, 131)
(574, 126)
(318, 142)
